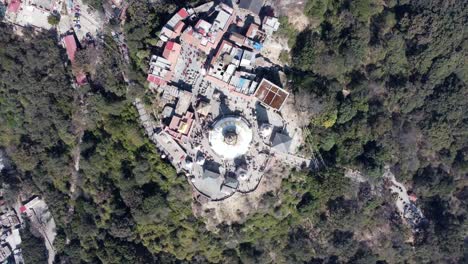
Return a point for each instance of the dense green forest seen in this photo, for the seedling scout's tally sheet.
(34, 250)
(386, 82)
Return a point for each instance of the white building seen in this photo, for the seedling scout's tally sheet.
(270, 25)
(248, 59)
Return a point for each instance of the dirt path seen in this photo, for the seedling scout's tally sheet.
(399, 189)
(78, 125)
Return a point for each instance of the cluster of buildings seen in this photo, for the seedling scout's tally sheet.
(219, 119)
(227, 44)
(10, 239)
(12, 221)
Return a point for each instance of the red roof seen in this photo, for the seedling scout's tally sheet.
(14, 6)
(171, 52)
(23, 209)
(174, 125)
(183, 13)
(170, 45)
(155, 79)
(271, 94)
(70, 45)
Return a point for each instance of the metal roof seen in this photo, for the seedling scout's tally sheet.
(221, 20)
(70, 46)
(281, 142)
(271, 94)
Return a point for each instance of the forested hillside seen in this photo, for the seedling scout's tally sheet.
(385, 81)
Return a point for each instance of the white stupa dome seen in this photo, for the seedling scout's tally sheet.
(266, 130)
(230, 137)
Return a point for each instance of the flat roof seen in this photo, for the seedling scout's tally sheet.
(253, 5)
(170, 146)
(221, 20)
(237, 38)
(155, 79)
(271, 94)
(174, 125)
(252, 31)
(166, 33)
(178, 27)
(184, 102)
(271, 22)
(203, 26)
(172, 52)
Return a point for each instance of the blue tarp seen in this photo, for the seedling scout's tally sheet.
(241, 82)
(257, 46)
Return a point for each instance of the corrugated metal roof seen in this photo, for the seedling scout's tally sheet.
(281, 142)
(70, 45)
